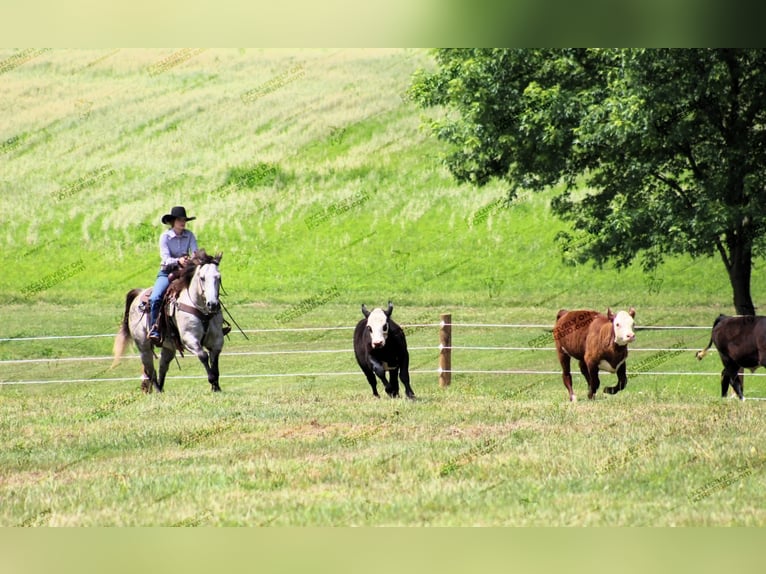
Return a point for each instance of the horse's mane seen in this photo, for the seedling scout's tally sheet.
(184, 275)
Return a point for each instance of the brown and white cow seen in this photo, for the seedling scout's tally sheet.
(596, 341)
(741, 343)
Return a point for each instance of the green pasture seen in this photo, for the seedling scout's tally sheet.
(313, 174)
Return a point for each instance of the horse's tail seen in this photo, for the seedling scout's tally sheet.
(123, 335)
(701, 354)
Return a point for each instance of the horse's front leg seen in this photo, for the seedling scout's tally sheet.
(210, 361)
(204, 358)
(194, 346)
(192, 337)
(212, 374)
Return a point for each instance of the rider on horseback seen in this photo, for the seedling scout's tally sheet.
(176, 246)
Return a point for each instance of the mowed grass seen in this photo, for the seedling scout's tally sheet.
(309, 449)
(324, 453)
(311, 172)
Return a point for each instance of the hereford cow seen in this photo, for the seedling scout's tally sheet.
(380, 346)
(741, 342)
(597, 341)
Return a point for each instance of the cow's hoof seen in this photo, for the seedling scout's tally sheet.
(572, 398)
(412, 397)
(215, 388)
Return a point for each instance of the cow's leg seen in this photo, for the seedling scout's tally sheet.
(393, 384)
(622, 380)
(404, 372)
(584, 370)
(566, 374)
(585, 373)
(736, 378)
(380, 371)
(731, 375)
(724, 384)
(593, 380)
(372, 380)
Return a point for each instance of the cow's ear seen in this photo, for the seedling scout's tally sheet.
(365, 312)
(390, 309)
(609, 314)
(632, 312)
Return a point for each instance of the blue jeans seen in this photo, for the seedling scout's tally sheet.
(155, 301)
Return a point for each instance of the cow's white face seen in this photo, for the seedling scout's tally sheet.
(377, 325)
(623, 327)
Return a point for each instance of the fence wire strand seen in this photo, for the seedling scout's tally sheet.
(349, 351)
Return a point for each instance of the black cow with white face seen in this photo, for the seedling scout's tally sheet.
(380, 346)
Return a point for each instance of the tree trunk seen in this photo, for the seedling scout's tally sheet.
(741, 264)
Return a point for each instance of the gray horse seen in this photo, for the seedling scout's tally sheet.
(193, 305)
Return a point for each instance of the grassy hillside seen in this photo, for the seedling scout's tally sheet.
(313, 174)
(308, 169)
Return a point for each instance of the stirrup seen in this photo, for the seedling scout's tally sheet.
(155, 336)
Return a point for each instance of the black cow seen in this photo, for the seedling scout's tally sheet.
(741, 342)
(380, 346)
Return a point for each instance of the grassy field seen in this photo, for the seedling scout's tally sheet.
(312, 172)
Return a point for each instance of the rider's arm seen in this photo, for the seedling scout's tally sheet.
(168, 262)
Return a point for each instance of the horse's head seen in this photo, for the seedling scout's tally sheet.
(208, 277)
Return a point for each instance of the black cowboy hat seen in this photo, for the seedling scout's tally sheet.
(175, 213)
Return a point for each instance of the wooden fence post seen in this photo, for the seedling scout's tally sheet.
(445, 350)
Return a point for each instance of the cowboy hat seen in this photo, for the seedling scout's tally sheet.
(175, 213)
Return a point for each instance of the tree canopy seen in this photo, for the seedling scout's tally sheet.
(662, 152)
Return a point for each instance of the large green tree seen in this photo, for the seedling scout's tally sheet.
(662, 152)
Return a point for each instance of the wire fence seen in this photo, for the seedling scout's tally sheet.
(662, 351)
(351, 327)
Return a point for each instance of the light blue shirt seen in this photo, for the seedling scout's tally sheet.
(173, 247)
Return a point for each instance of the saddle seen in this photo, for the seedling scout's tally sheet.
(165, 325)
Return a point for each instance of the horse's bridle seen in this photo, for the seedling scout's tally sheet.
(197, 312)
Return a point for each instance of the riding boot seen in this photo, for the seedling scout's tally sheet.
(154, 333)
